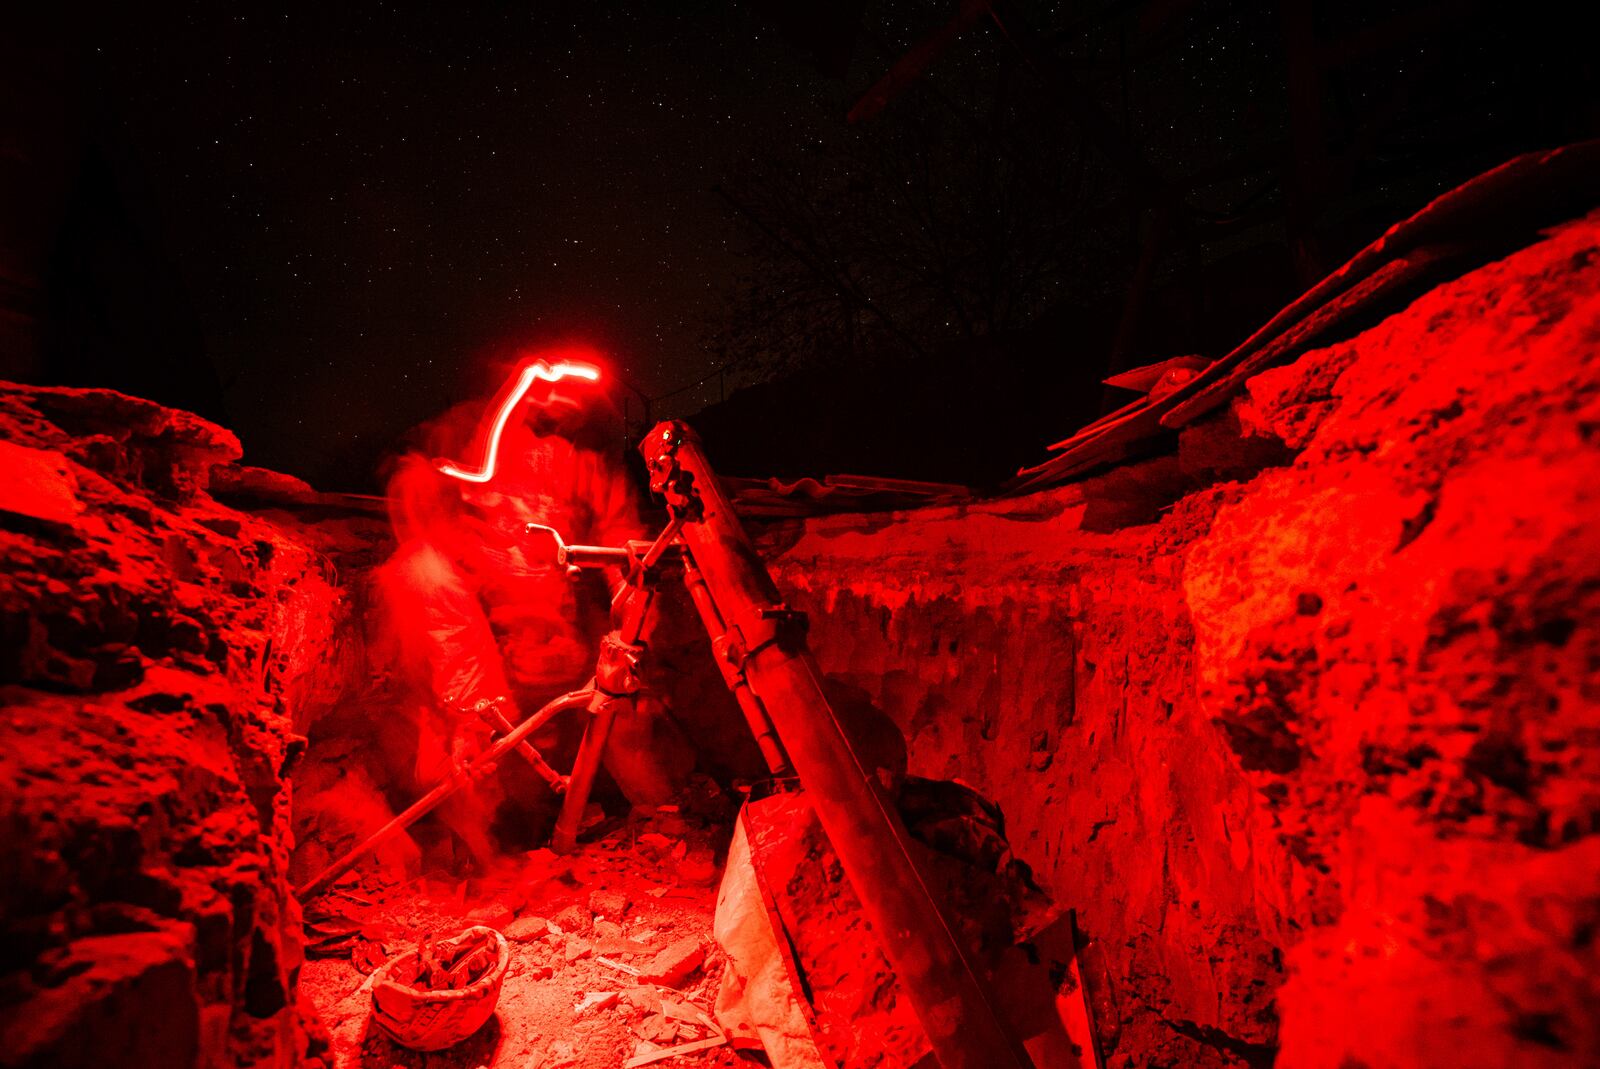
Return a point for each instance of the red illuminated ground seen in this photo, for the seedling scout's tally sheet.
(542, 1021)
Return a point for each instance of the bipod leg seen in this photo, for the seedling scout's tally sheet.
(616, 687)
(503, 727)
(444, 789)
(564, 840)
(616, 681)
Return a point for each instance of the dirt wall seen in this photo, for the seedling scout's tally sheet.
(150, 637)
(1312, 751)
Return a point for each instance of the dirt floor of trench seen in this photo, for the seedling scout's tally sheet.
(587, 933)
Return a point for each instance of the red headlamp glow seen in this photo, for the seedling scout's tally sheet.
(535, 372)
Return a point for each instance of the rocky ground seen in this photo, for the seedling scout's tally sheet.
(612, 955)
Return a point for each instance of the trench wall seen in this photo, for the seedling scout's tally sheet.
(156, 644)
(1313, 750)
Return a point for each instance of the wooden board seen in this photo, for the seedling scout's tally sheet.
(1440, 240)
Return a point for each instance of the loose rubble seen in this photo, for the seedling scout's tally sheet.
(584, 989)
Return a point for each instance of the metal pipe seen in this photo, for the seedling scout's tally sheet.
(755, 714)
(616, 688)
(479, 768)
(952, 1002)
(555, 780)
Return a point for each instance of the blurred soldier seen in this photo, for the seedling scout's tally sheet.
(480, 618)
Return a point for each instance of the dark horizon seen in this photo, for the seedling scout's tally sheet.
(323, 229)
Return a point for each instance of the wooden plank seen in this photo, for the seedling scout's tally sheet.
(1394, 278)
(1085, 433)
(1145, 379)
(672, 1052)
(1151, 415)
(1532, 190)
(1160, 413)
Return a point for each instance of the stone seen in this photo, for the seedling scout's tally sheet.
(645, 999)
(594, 1002)
(672, 966)
(111, 991)
(656, 1029)
(495, 915)
(526, 929)
(154, 639)
(699, 866)
(38, 484)
(609, 904)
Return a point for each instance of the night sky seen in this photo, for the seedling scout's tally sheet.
(323, 227)
(367, 207)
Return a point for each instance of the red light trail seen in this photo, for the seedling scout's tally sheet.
(534, 372)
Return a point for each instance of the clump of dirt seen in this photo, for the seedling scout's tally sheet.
(612, 953)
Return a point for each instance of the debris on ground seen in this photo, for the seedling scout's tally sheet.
(581, 933)
(675, 964)
(495, 915)
(594, 1002)
(609, 904)
(368, 955)
(526, 929)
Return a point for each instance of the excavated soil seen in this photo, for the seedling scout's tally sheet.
(1310, 748)
(585, 933)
